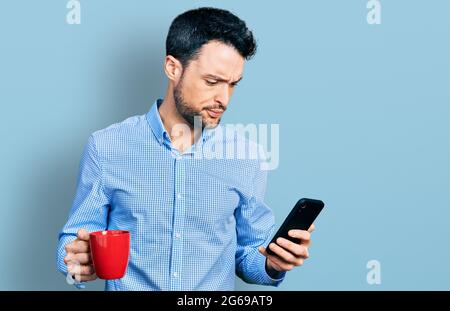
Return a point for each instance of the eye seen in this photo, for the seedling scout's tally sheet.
(211, 82)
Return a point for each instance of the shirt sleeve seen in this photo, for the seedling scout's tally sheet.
(90, 207)
(254, 226)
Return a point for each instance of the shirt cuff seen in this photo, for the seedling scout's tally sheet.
(268, 279)
(74, 282)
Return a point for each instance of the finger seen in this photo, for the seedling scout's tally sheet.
(279, 264)
(276, 262)
(312, 228)
(283, 254)
(80, 258)
(263, 251)
(83, 235)
(85, 278)
(77, 246)
(296, 249)
(275, 266)
(303, 235)
(80, 269)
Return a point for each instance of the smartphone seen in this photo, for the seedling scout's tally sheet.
(301, 217)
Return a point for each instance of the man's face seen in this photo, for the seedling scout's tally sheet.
(207, 83)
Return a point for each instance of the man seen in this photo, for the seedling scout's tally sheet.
(195, 220)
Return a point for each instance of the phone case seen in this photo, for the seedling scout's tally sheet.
(301, 217)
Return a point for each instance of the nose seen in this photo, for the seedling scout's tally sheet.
(223, 96)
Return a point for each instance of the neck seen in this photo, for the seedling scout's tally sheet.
(175, 124)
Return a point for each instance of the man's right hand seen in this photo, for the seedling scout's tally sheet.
(78, 258)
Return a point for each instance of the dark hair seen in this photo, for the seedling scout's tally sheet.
(192, 29)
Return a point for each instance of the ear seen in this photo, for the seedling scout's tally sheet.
(173, 68)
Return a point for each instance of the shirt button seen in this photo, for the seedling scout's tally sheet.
(177, 235)
(175, 274)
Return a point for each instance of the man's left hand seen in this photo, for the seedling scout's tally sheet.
(288, 254)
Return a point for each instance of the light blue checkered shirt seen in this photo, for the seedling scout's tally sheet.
(194, 221)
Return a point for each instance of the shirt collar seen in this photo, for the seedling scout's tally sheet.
(157, 126)
(155, 122)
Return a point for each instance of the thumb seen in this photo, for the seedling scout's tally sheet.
(263, 251)
(83, 235)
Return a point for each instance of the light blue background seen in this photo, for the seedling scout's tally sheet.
(363, 111)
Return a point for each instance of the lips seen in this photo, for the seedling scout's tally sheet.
(214, 113)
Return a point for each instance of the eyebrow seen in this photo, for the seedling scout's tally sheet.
(220, 79)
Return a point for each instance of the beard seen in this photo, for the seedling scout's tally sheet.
(191, 114)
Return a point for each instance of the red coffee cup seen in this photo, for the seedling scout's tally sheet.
(110, 250)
